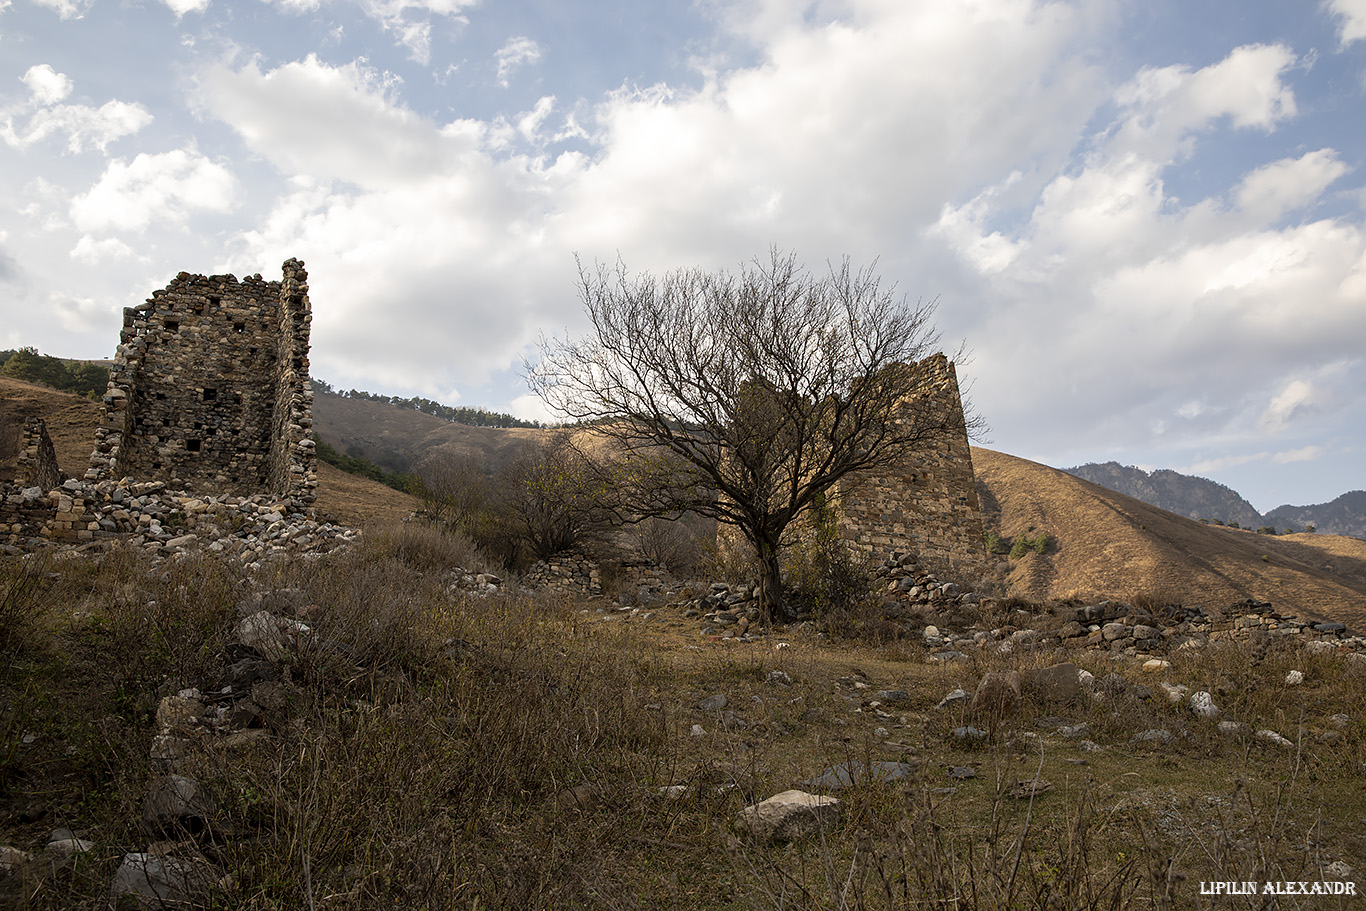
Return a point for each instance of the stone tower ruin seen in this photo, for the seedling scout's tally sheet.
(926, 502)
(209, 391)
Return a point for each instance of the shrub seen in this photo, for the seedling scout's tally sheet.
(1024, 543)
(821, 574)
(996, 544)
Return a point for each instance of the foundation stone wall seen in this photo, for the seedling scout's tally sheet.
(209, 390)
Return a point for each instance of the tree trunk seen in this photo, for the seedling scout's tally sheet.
(770, 595)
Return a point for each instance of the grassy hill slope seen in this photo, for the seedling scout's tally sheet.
(1111, 545)
(1106, 544)
(400, 438)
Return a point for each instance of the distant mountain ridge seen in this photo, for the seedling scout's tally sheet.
(1200, 498)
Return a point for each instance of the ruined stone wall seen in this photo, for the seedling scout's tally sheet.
(926, 503)
(209, 390)
(37, 458)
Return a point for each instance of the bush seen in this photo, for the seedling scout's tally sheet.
(996, 544)
(821, 575)
(1024, 544)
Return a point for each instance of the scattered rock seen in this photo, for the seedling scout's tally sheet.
(849, 774)
(789, 815)
(1294, 678)
(1057, 684)
(957, 697)
(154, 881)
(893, 697)
(1271, 736)
(778, 678)
(1154, 736)
(1030, 788)
(1202, 704)
(713, 703)
(968, 736)
(12, 859)
(997, 695)
(176, 801)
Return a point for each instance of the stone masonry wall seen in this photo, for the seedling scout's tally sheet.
(209, 389)
(37, 457)
(926, 504)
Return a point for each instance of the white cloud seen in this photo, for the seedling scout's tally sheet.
(67, 9)
(90, 251)
(47, 85)
(1351, 16)
(75, 314)
(181, 7)
(529, 124)
(84, 126)
(1287, 185)
(1223, 463)
(334, 123)
(1303, 454)
(409, 20)
(513, 55)
(163, 187)
(1297, 398)
(1165, 105)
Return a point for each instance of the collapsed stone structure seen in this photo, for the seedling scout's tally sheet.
(926, 502)
(37, 458)
(207, 431)
(209, 391)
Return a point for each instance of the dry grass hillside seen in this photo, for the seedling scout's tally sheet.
(1110, 545)
(400, 437)
(71, 422)
(1106, 544)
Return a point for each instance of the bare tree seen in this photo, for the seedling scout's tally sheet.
(745, 396)
(554, 496)
(452, 487)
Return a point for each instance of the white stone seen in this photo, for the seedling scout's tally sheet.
(1272, 737)
(789, 815)
(1294, 678)
(1176, 692)
(1202, 704)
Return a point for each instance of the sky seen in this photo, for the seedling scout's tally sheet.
(1146, 221)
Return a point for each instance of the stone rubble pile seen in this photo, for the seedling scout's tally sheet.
(153, 515)
(728, 612)
(571, 572)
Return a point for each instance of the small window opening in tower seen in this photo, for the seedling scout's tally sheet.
(172, 326)
(214, 301)
(210, 394)
(192, 445)
(239, 327)
(160, 396)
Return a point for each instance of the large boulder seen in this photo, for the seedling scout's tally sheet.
(789, 815)
(1058, 683)
(154, 881)
(997, 695)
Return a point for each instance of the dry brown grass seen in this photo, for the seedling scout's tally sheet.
(1107, 545)
(442, 751)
